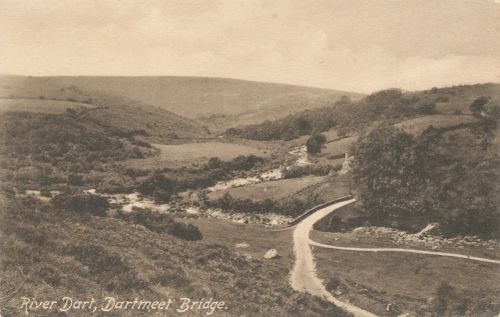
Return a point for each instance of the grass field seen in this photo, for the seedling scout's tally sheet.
(366, 240)
(329, 188)
(39, 105)
(418, 125)
(338, 147)
(370, 281)
(274, 189)
(258, 238)
(206, 150)
(409, 281)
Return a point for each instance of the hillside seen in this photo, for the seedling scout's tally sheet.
(114, 111)
(55, 253)
(226, 100)
(389, 106)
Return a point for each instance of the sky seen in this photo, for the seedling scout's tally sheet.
(353, 45)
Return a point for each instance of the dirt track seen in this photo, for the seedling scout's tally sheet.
(304, 278)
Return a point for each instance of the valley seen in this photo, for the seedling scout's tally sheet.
(125, 191)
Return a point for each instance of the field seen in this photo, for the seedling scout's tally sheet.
(409, 281)
(418, 125)
(460, 97)
(258, 238)
(206, 150)
(372, 240)
(39, 105)
(330, 188)
(339, 147)
(275, 189)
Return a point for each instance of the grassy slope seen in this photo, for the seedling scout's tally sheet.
(418, 125)
(128, 261)
(371, 280)
(206, 150)
(460, 97)
(275, 190)
(191, 97)
(40, 105)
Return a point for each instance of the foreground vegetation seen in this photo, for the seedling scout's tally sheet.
(49, 252)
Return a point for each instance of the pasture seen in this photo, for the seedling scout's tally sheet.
(409, 281)
(418, 125)
(274, 189)
(206, 150)
(338, 147)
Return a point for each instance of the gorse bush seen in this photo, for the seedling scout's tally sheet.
(300, 171)
(162, 223)
(289, 207)
(184, 231)
(82, 204)
(107, 268)
(159, 186)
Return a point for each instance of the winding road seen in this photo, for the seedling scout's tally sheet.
(304, 278)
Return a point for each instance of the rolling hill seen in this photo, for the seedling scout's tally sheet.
(225, 102)
(389, 106)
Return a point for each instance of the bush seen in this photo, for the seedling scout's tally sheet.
(299, 171)
(185, 231)
(162, 223)
(333, 283)
(159, 186)
(477, 106)
(315, 143)
(135, 172)
(106, 268)
(177, 279)
(87, 204)
(443, 294)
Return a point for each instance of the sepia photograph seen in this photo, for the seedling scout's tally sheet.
(250, 158)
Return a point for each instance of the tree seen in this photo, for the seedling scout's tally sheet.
(315, 143)
(477, 106)
(408, 182)
(386, 175)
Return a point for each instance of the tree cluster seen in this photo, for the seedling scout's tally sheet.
(407, 182)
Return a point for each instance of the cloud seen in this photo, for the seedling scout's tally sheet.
(360, 45)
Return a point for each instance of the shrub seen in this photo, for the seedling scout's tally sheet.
(333, 283)
(158, 186)
(135, 172)
(185, 231)
(106, 268)
(477, 106)
(443, 294)
(177, 279)
(87, 203)
(162, 223)
(315, 143)
(299, 171)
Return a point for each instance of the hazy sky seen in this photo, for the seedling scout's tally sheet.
(357, 45)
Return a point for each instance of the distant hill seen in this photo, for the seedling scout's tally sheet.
(383, 107)
(20, 94)
(227, 102)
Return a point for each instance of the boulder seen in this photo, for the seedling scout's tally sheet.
(271, 254)
(431, 229)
